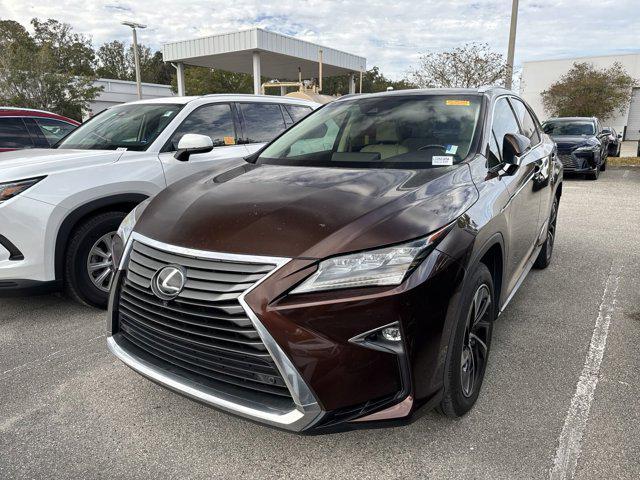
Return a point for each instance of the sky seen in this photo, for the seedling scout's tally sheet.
(390, 34)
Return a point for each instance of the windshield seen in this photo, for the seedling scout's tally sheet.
(382, 132)
(133, 127)
(565, 127)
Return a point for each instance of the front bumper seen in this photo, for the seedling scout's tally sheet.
(578, 162)
(26, 261)
(334, 381)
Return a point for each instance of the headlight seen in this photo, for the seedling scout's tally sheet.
(382, 267)
(125, 229)
(11, 189)
(587, 148)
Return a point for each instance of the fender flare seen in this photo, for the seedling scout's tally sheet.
(72, 219)
(495, 239)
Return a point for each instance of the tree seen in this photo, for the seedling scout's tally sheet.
(117, 61)
(585, 91)
(201, 81)
(372, 81)
(72, 52)
(112, 61)
(469, 66)
(51, 70)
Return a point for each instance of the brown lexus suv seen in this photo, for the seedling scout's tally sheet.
(349, 273)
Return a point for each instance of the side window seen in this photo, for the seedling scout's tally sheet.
(262, 121)
(503, 122)
(298, 112)
(215, 121)
(54, 129)
(14, 133)
(529, 128)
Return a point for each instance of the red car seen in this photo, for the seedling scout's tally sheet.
(28, 128)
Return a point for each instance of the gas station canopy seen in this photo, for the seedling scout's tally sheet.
(261, 52)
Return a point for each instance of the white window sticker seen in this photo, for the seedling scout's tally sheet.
(451, 149)
(442, 160)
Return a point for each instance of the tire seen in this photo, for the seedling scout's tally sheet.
(467, 351)
(78, 283)
(603, 167)
(544, 257)
(593, 175)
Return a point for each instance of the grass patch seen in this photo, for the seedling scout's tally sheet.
(624, 161)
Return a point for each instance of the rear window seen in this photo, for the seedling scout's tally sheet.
(14, 133)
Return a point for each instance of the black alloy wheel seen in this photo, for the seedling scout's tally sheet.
(469, 344)
(474, 345)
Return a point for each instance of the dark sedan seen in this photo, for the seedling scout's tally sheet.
(583, 144)
(348, 274)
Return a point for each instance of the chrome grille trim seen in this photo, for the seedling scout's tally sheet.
(306, 411)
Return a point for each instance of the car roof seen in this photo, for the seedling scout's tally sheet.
(233, 97)
(32, 112)
(490, 91)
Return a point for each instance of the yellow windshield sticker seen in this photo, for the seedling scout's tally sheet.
(462, 103)
(229, 141)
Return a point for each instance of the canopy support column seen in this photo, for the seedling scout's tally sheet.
(180, 77)
(256, 73)
(352, 83)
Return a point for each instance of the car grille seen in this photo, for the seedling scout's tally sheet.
(568, 161)
(204, 334)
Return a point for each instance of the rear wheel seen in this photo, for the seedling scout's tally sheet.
(89, 265)
(544, 257)
(469, 348)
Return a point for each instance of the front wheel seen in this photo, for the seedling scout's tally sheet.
(594, 174)
(89, 267)
(469, 347)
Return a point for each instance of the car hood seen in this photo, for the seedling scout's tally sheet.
(306, 212)
(44, 161)
(570, 141)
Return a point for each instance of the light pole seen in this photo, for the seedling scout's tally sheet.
(136, 57)
(512, 44)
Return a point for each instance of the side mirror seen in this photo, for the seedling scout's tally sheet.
(514, 145)
(619, 136)
(192, 143)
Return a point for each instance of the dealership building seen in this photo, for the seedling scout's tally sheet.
(115, 92)
(538, 76)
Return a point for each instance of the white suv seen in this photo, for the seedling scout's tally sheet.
(59, 208)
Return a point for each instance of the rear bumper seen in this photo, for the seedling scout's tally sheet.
(336, 380)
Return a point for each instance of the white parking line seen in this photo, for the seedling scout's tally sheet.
(570, 441)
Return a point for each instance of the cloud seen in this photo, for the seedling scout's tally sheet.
(390, 35)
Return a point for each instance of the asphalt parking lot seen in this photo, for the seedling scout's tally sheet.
(560, 397)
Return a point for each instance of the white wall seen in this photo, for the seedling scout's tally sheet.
(539, 75)
(122, 91)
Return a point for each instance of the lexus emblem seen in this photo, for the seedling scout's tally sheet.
(168, 282)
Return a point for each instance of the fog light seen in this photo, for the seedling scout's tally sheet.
(391, 334)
